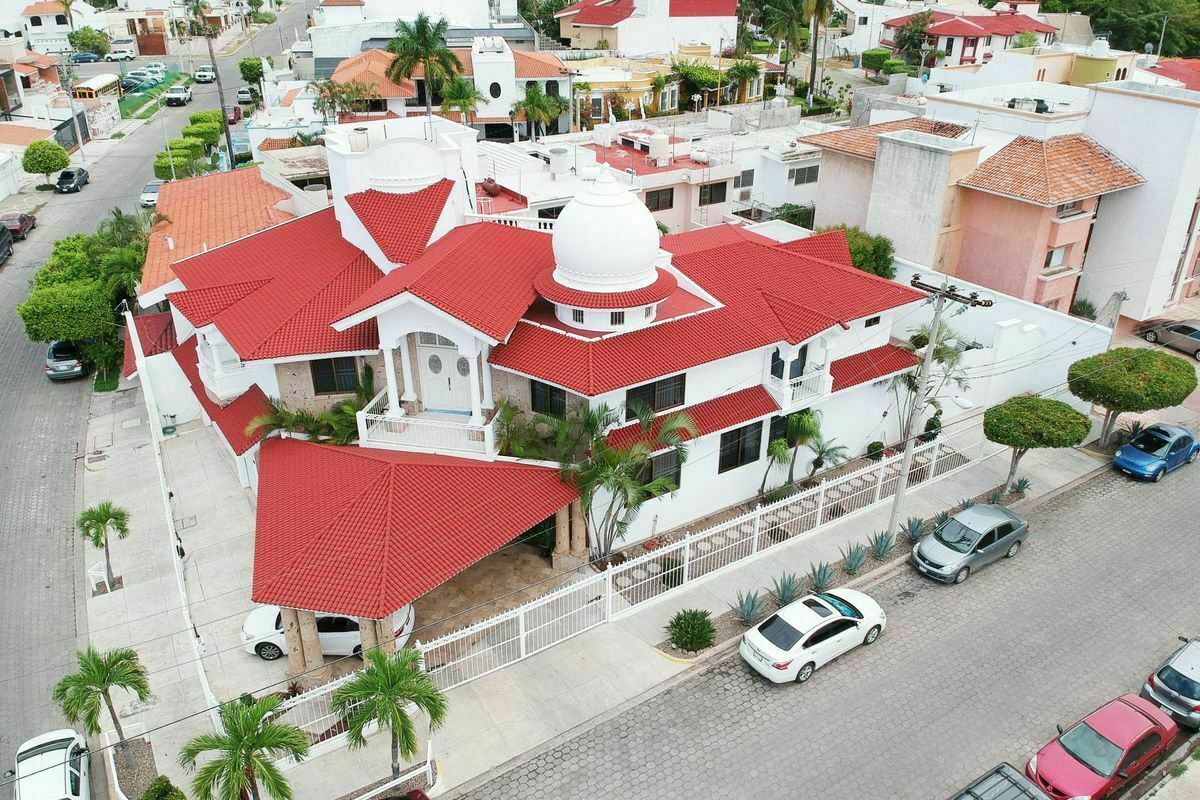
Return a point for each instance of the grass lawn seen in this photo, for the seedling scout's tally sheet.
(109, 384)
(763, 47)
(143, 105)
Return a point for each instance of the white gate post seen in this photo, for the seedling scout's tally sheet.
(933, 463)
(608, 592)
(758, 515)
(879, 482)
(687, 548)
(521, 629)
(820, 503)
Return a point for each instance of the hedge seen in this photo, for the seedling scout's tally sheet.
(207, 132)
(213, 115)
(73, 311)
(192, 147)
(894, 66)
(69, 261)
(183, 166)
(875, 59)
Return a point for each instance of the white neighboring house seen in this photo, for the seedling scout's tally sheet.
(46, 25)
(643, 27)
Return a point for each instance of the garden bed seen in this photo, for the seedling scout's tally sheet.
(398, 792)
(136, 778)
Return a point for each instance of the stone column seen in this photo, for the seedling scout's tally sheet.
(314, 657)
(295, 645)
(579, 541)
(369, 635)
(387, 636)
(406, 368)
(488, 400)
(473, 380)
(393, 392)
(562, 531)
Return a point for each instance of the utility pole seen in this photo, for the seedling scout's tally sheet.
(162, 122)
(1162, 35)
(66, 77)
(197, 8)
(941, 294)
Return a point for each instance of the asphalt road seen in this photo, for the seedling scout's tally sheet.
(965, 677)
(43, 428)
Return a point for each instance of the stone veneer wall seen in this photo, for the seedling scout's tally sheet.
(515, 389)
(296, 384)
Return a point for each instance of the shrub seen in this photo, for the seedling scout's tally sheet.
(749, 608)
(875, 58)
(854, 558)
(691, 630)
(941, 518)
(913, 528)
(996, 497)
(966, 503)
(161, 788)
(1129, 431)
(44, 157)
(875, 451)
(167, 167)
(821, 575)
(672, 571)
(893, 66)
(919, 339)
(881, 543)
(1021, 485)
(242, 158)
(72, 311)
(191, 147)
(212, 115)
(263, 18)
(1084, 308)
(787, 588)
(207, 132)
(933, 427)
(796, 214)
(89, 40)
(868, 252)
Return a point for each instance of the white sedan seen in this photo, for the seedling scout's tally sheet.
(262, 632)
(53, 766)
(804, 636)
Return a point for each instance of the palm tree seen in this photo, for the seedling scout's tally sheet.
(540, 108)
(825, 453)
(778, 452)
(96, 523)
(81, 693)
(68, 8)
(422, 43)
(817, 11)
(460, 95)
(785, 21)
(381, 693)
(246, 752)
(910, 37)
(802, 428)
(195, 10)
(743, 72)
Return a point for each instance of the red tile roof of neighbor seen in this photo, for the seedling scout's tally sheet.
(978, 25)
(482, 274)
(370, 68)
(863, 140)
(660, 290)
(391, 526)
(231, 419)
(401, 224)
(681, 244)
(769, 295)
(711, 416)
(870, 365)
(276, 294)
(156, 333)
(602, 13)
(1052, 171)
(271, 143)
(1185, 70)
(44, 8)
(290, 97)
(830, 246)
(22, 135)
(207, 212)
(703, 8)
(328, 3)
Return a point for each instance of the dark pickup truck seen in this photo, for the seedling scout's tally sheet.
(1005, 782)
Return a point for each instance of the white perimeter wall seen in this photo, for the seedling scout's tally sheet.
(843, 190)
(171, 389)
(643, 35)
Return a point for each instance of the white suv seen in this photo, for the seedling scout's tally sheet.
(205, 74)
(53, 766)
(262, 632)
(120, 54)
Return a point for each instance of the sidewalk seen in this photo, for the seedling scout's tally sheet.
(1183, 787)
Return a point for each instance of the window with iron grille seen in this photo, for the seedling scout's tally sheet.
(334, 375)
(658, 396)
(547, 399)
(660, 199)
(577, 315)
(665, 465)
(616, 318)
(802, 175)
(740, 447)
(713, 193)
(745, 179)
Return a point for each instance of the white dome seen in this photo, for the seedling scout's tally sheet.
(605, 240)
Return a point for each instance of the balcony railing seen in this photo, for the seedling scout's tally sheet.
(378, 426)
(528, 223)
(224, 381)
(804, 389)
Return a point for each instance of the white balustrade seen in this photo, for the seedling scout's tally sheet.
(804, 389)
(379, 428)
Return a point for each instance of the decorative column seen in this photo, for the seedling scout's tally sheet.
(579, 542)
(562, 531)
(488, 400)
(387, 636)
(369, 635)
(473, 380)
(406, 367)
(295, 646)
(393, 393)
(314, 657)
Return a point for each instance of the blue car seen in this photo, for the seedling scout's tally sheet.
(1156, 451)
(83, 58)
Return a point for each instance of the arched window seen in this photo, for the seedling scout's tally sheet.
(494, 90)
(60, 19)
(552, 88)
(35, 22)
(530, 85)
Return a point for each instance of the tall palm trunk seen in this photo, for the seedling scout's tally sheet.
(112, 712)
(108, 573)
(428, 90)
(813, 28)
(395, 756)
(253, 783)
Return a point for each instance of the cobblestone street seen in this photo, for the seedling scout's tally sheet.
(964, 677)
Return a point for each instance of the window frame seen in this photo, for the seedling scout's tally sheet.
(656, 394)
(577, 316)
(871, 322)
(616, 318)
(337, 374)
(800, 175)
(740, 181)
(1050, 263)
(657, 194)
(545, 398)
(706, 193)
(664, 464)
(739, 447)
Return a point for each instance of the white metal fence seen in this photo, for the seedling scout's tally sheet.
(568, 611)
(440, 436)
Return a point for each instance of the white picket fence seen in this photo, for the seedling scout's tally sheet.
(568, 611)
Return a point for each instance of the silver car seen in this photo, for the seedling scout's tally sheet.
(1175, 686)
(967, 541)
(1182, 335)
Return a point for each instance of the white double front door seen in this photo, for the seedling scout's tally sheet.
(445, 375)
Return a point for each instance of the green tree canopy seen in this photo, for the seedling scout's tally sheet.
(874, 59)
(422, 43)
(1027, 39)
(910, 37)
(69, 260)
(73, 311)
(251, 69)
(89, 40)
(1029, 421)
(44, 157)
(212, 115)
(207, 132)
(1129, 379)
(1132, 24)
(868, 252)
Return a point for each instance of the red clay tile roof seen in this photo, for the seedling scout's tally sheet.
(703, 8)
(555, 292)
(978, 25)
(270, 143)
(232, 419)
(829, 246)
(401, 224)
(934, 16)
(207, 212)
(870, 365)
(364, 532)
(537, 65)
(770, 296)
(328, 3)
(346, 116)
(22, 135)
(370, 69)
(863, 140)
(602, 13)
(711, 416)
(276, 294)
(1052, 171)
(481, 274)
(1185, 70)
(290, 97)
(44, 8)
(681, 244)
(370, 66)
(156, 334)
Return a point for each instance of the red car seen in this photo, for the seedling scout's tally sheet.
(19, 224)
(233, 114)
(1102, 752)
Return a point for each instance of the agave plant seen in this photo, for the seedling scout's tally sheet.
(966, 503)
(787, 588)
(881, 543)
(1022, 485)
(995, 497)
(691, 629)
(821, 575)
(941, 518)
(913, 528)
(749, 608)
(854, 558)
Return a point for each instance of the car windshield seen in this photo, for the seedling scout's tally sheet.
(63, 350)
(1091, 749)
(776, 631)
(42, 749)
(1179, 683)
(956, 536)
(66, 175)
(843, 608)
(1151, 442)
(151, 188)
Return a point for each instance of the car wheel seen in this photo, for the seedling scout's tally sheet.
(962, 574)
(1150, 336)
(1013, 549)
(1196, 355)
(1158, 476)
(1192, 457)
(268, 651)
(805, 672)
(872, 635)
(357, 651)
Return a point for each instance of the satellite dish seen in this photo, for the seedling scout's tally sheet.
(1148, 48)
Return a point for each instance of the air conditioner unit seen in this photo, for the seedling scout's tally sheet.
(744, 195)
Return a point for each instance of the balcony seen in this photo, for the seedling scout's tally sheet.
(1069, 229)
(380, 426)
(225, 380)
(801, 391)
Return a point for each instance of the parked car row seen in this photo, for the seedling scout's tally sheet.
(14, 225)
(262, 632)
